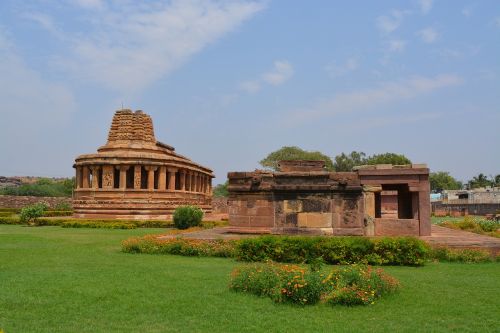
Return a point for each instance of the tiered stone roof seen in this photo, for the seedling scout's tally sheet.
(131, 126)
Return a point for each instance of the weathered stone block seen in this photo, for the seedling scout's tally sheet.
(262, 221)
(348, 231)
(396, 227)
(314, 220)
(316, 205)
(292, 206)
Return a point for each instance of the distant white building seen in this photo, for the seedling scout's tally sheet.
(477, 195)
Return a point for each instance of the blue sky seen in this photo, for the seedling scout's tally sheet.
(227, 82)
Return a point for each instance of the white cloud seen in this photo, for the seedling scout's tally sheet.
(466, 12)
(389, 23)
(91, 4)
(281, 72)
(133, 44)
(428, 35)
(425, 5)
(370, 99)
(336, 70)
(250, 86)
(407, 118)
(32, 108)
(396, 45)
(44, 21)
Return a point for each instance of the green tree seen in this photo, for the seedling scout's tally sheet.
(388, 158)
(293, 154)
(497, 180)
(480, 180)
(345, 162)
(220, 190)
(443, 181)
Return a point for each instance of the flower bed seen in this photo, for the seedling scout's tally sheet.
(351, 285)
(332, 250)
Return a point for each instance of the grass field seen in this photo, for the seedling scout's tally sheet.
(56, 279)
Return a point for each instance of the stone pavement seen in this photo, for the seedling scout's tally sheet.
(440, 236)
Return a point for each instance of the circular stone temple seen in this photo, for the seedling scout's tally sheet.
(134, 176)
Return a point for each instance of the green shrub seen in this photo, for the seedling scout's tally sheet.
(151, 244)
(187, 216)
(31, 213)
(359, 285)
(334, 250)
(461, 255)
(351, 285)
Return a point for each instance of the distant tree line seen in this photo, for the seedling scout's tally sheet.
(439, 181)
(342, 162)
(44, 187)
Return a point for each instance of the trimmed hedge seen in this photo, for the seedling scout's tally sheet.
(106, 224)
(332, 250)
(91, 223)
(462, 255)
(56, 213)
(151, 244)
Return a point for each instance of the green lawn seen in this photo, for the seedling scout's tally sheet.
(56, 279)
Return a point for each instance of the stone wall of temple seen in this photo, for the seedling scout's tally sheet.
(14, 201)
(304, 198)
(296, 201)
(220, 205)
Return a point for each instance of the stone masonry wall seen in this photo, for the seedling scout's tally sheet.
(13, 201)
(219, 205)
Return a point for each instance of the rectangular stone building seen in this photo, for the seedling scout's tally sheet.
(305, 198)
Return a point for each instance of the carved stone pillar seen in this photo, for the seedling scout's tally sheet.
(187, 183)
(369, 203)
(151, 176)
(137, 177)
(86, 177)
(195, 182)
(123, 176)
(95, 176)
(162, 179)
(108, 176)
(424, 208)
(171, 180)
(182, 180)
(203, 183)
(78, 177)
